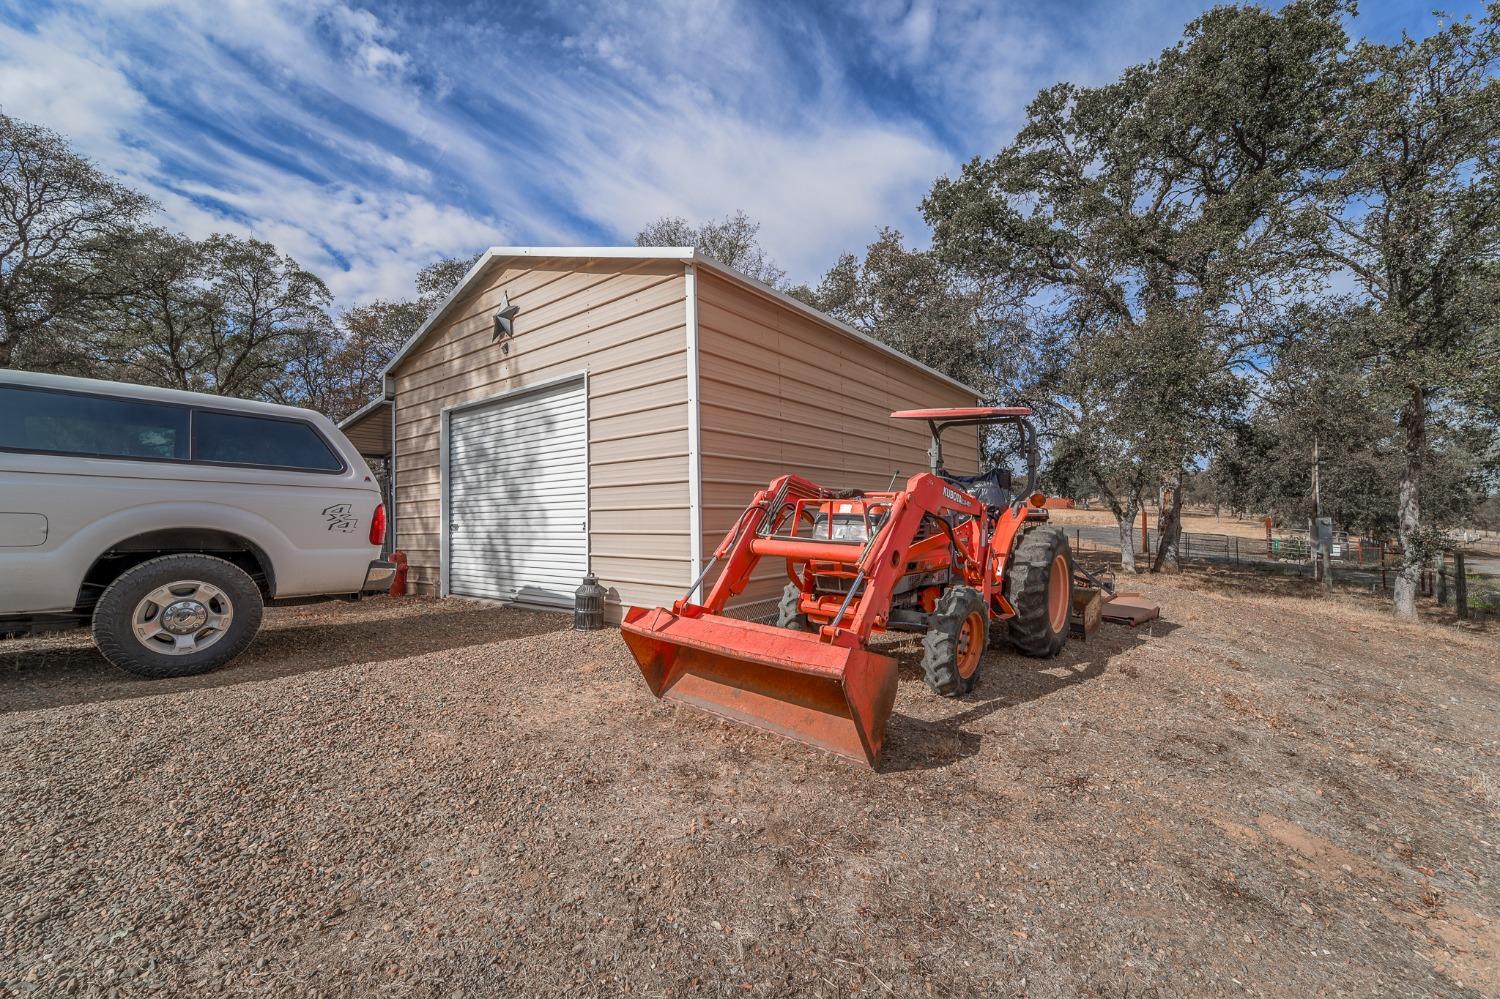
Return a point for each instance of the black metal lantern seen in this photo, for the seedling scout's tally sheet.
(588, 605)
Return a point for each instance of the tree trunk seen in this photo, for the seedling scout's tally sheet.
(1409, 510)
(1125, 522)
(1169, 531)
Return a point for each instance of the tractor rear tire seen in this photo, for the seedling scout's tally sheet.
(954, 646)
(1043, 603)
(788, 615)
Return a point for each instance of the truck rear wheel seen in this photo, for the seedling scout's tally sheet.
(955, 641)
(1041, 591)
(178, 615)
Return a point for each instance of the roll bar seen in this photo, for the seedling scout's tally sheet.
(939, 420)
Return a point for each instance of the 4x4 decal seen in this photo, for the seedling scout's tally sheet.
(341, 518)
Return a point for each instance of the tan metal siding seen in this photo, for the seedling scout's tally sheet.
(624, 322)
(782, 392)
(371, 433)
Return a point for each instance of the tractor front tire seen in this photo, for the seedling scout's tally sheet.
(788, 614)
(1041, 591)
(955, 641)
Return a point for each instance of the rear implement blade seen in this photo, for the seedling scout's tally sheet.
(786, 682)
(1130, 608)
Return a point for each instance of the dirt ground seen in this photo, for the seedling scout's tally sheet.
(1263, 794)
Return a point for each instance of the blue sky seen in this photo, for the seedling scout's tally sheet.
(369, 138)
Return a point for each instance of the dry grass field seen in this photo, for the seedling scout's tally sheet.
(1196, 523)
(1204, 521)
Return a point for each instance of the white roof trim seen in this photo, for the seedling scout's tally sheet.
(622, 252)
(364, 411)
(687, 254)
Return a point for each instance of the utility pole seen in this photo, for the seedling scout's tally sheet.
(1460, 585)
(1323, 561)
(1317, 506)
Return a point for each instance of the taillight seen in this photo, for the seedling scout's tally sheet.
(377, 525)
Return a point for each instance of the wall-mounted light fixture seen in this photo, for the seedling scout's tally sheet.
(505, 322)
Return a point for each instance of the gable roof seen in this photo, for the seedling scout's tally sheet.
(364, 411)
(369, 427)
(689, 256)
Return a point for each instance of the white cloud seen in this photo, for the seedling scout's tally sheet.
(985, 60)
(67, 75)
(727, 108)
(722, 109)
(816, 192)
(363, 34)
(384, 139)
(45, 78)
(385, 237)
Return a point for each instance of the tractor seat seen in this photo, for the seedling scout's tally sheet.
(991, 488)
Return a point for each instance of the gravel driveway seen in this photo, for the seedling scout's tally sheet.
(1264, 794)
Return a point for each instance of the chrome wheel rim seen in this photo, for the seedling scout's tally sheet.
(182, 618)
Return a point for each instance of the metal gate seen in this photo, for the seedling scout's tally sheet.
(516, 496)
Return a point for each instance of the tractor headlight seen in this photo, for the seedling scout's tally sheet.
(846, 527)
(850, 529)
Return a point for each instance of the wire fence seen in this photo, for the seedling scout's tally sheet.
(1288, 549)
(1354, 561)
(1199, 547)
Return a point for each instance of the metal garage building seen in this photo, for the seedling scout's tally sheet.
(617, 408)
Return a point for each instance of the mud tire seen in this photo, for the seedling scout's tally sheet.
(113, 615)
(951, 661)
(787, 614)
(1034, 631)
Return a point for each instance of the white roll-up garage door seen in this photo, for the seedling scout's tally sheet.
(518, 496)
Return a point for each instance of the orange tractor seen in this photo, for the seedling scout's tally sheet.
(962, 559)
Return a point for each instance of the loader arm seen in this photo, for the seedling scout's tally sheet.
(883, 565)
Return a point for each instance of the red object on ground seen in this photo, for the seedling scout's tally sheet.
(1058, 503)
(398, 585)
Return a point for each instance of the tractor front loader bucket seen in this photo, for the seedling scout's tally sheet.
(783, 681)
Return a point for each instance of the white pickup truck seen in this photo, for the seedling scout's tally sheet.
(168, 519)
